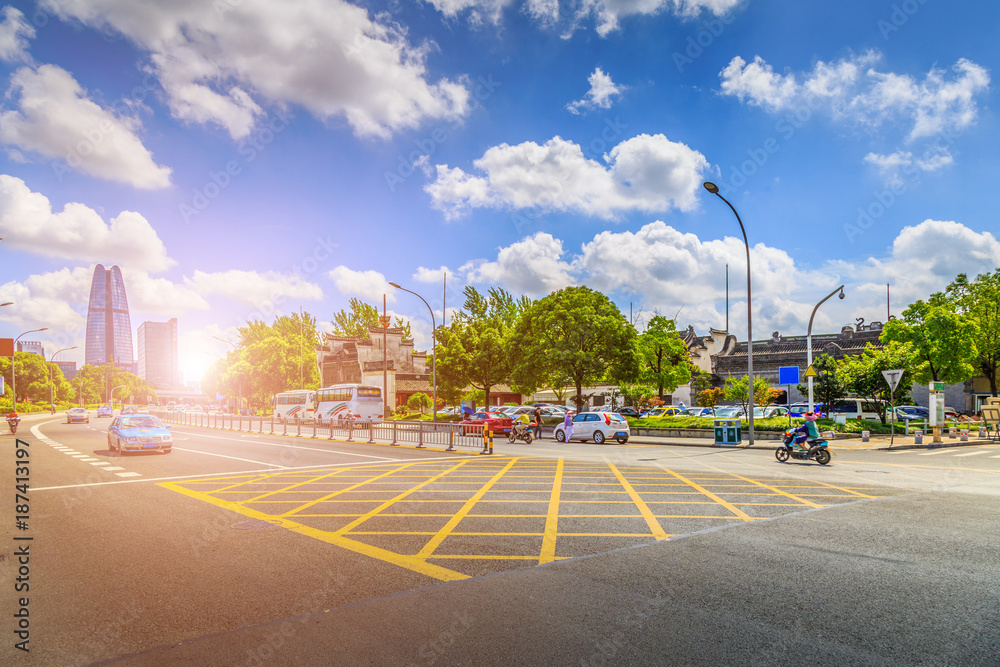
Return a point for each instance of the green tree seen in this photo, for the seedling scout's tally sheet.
(827, 387)
(636, 395)
(709, 398)
(360, 318)
(663, 356)
(35, 377)
(979, 301)
(97, 382)
(575, 332)
(472, 350)
(943, 342)
(862, 375)
(419, 402)
(737, 391)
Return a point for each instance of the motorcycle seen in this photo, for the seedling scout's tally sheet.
(520, 432)
(818, 450)
(12, 422)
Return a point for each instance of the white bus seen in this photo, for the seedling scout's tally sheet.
(297, 404)
(348, 401)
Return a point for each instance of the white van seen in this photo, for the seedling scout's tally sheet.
(852, 408)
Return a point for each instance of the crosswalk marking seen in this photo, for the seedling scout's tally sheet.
(129, 474)
(941, 451)
(981, 451)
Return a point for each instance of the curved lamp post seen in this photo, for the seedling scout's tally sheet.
(13, 376)
(434, 407)
(809, 344)
(51, 364)
(6, 303)
(714, 189)
(111, 401)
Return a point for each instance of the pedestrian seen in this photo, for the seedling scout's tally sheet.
(538, 422)
(568, 425)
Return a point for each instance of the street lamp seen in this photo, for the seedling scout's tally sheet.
(51, 364)
(809, 344)
(239, 409)
(112, 399)
(433, 349)
(6, 303)
(714, 189)
(13, 375)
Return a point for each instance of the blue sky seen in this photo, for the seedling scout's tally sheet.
(244, 158)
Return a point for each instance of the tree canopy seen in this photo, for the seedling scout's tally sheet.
(943, 342)
(979, 301)
(663, 355)
(862, 374)
(360, 318)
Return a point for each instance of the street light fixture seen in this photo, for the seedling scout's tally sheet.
(13, 373)
(809, 345)
(434, 407)
(714, 189)
(239, 409)
(6, 303)
(52, 360)
(112, 399)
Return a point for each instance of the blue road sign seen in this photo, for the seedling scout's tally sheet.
(788, 375)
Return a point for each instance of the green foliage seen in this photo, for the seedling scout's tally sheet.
(96, 382)
(737, 391)
(827, 387)
(473, 349)
(360, 318)
(709, 398)
(419, 402)
(943, 343)
(979, 302)
(37, 380)
(577, 333)
(663, 356)
(637, 395)
(862, 374)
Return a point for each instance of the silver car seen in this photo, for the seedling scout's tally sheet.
(596, 426)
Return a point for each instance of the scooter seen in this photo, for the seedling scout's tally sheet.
(12, 422)
(818, 450)
(520, 432)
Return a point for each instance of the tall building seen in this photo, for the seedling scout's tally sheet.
(157, 342)
(68, 369)
(31, 347)
(109, 330)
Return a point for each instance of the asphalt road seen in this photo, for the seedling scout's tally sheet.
(244, 548)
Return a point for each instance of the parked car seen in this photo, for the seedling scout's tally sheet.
(770, 411)
(664, 411)
(77, 416)
(498, 421)
(698, 412)
(142, 432)
(730, 412)
(596, 426)
(628, 412)
(105, 411)
(906, 413)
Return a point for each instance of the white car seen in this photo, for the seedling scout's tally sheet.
(596, 426)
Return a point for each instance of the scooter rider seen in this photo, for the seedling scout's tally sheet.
(808, 430)
(13, 420)
(523, 424)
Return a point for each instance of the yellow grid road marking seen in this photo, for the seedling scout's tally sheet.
(647, 514)
(548, 553)
(780, 492)
(439, 537)
(725, 503)
(840, 488)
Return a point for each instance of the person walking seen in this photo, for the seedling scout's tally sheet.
(538, 422)
(568, 425)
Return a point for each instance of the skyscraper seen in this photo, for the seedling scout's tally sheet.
(157, 343)
(109, 330)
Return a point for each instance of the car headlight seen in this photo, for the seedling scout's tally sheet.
(166, 438)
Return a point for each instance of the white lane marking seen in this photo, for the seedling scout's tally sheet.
(981, 451)
(245, 472)
(900, 451)
(235, 458)
(70, 451)
(100, 463)
(80, 456)
(129, 474)
(113, 468)
(279, 444)
(943, 451)
(88, 460)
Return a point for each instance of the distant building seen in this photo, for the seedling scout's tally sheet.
(31, 347)
(157, 343)
(68, 369)
(109, 329)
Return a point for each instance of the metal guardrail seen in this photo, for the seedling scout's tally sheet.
(434, 434)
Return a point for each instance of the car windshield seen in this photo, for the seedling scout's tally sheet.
(141, 422)
(77, 410)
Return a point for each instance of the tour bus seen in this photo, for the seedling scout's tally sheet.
(297, 404)
(348, 401)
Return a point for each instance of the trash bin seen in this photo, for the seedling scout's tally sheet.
(728, 431)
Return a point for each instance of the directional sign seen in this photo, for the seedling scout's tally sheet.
(811, 372)
(892, 377)
(788, 375)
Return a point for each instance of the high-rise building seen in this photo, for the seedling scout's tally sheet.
(157, 343)
(68, 369)
(109, 330)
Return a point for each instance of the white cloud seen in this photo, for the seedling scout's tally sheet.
(602, 89)
(435, 276)
(28, 223)
(47, 300)
(254, 288)
(532, 266)
(14, 35)
(56, 119)
(644, 173)
(854, 90)
(158, 296)
(369, 285)
(220, 62)
(895, 165)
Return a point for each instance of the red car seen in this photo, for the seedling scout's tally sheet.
(498, 421)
